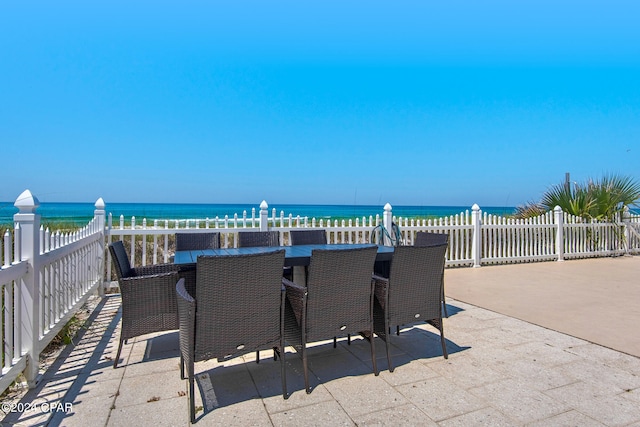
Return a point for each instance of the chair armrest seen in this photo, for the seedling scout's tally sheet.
(153, 294)
(289, 284)
(155, 269)
(296, 295)
(380, 286)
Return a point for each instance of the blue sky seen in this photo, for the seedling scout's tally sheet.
(333, 102)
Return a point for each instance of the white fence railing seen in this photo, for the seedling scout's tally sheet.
(44, 277)
(475, 238)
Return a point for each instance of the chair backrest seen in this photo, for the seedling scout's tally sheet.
(339, 292)
(238, 304)
(415, 284)
(308, 237)
(195, 241)
(424, 238)
(119, 255)
(248, 239)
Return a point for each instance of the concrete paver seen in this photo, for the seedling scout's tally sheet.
(501, 370)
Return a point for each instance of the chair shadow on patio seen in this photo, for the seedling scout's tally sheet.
(165, 346)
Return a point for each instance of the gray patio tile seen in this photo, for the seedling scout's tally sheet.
(149, 388)
(504, 337)
(405, 415)
(406, 371)
(543, 353)
(440, 399)
(104, 372)
(598, 373)
(566, 419)
(361, 395)
(633, 395)
(611, 410)
(298, 399)
(467, 372)
(474, 313)
(87, 409)
(534, 374)
(141, 367)
(483, 417)
(339, 365)
(523, 404)
(555, 338)
(607, 356)
(167, 412)
(322, 414)
(576, 393)
(420, 344)
(266, 376)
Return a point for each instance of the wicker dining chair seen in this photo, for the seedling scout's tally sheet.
(148, 296)
(196, 241)
(424, 238)
(308, 237)
(336, 302)
(248, 239)
(411, 293)
(238, 308)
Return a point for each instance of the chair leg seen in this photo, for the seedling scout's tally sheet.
(398, 330)
(439, 325)
(115, 361)
(283, 373)
(305, 368)
(349, 339)
(373, 353)
(192, 403)
(444, 345)
(182, 377)
(388, 345)
(335, 342)
(257, 356)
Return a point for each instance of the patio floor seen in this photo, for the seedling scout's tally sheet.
(500, 371)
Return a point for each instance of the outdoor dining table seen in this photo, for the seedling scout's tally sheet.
(295, 256)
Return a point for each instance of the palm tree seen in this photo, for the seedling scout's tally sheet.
(604, 199)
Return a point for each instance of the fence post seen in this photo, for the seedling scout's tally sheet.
(476, 241)
(626, 219)
(29, 223)
(100, 216)
(559, 217)
(264, 216)
(387, 221)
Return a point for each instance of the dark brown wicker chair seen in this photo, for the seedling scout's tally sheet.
(424, 238)
(411, 293)
(195, 241)
(238, 308)
(336, 302)
(308, 237)
(148, 296)
(248, 239)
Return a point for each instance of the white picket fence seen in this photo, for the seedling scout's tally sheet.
(475, 238)
(45, 277)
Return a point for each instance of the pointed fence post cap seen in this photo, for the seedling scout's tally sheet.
(264, 205)
(475, 207)
(27, 202)
(100, 204)
(387, 207)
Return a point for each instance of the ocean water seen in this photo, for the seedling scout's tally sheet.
(81, 213)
